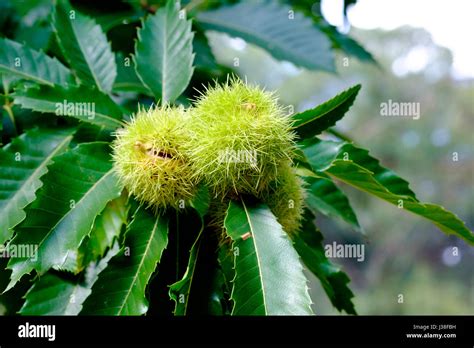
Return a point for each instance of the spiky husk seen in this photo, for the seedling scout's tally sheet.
(240, 135)
(285, 197)
(149, 157)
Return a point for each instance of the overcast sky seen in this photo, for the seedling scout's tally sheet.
(449, 22)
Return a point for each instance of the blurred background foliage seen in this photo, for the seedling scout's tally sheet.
(404, 255)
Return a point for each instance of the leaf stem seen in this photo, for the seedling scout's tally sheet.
(7, 107)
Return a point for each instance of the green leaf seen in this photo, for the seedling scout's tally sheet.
(75, 190)
(106, 229)
(321, 154)
(324, 196)
(25, 63)
(85, 47)
(120, 289)
(313, 121)
(201, 200)
(11, 301)
(339, 41)
(347, 44)
(201, 290)
(179, 291)
(164, 53)
(83, 103)
(363, 179)
(308, 244)
(54, 295)
(269, 25)
(22, 163)
(127, 79)
(269, 277)
(356, 168)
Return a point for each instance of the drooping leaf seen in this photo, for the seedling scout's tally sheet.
(339, 40)
(308, 244)
(120, 289)
(75, 190)
(54, 295)
(324, 196)
(355, 167)
(83, 103)
(322, 153)
(164, 53)
(201, 290)
(106, 230)
(313, 121)
(11, 301)
(25, 63)
(347, 44)
(359, 177)
(269, 277)
(22, 163)
(207, 293)
(284, 33)
(179, 291)
(107, 227)
(85, 46)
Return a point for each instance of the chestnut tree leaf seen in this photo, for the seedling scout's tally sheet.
(269, 277)
(85, 46)
(75, 190)
(22, 164)
(164, 52)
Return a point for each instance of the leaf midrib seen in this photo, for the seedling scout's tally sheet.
(14, 280)
(76, 37)
(27, 76)
(254, 239)
(135, 277)
(326, 112)
(86, 195)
